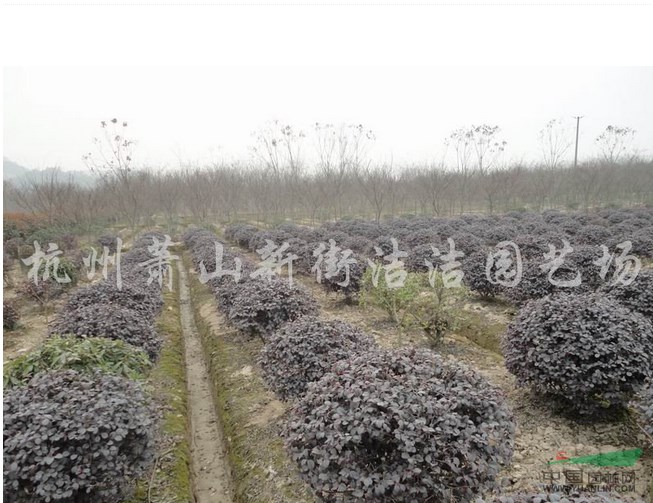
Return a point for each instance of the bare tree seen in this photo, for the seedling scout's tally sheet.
(341, 152)
(543, 185)
(377, 185)
(112, 162)
(587, 178)
(488, 147)
(47, 194)
(433, 182)
(278, 146)
(461, 141)
(198, 191)
(168, 189)
(493, 184)
(554, 142)
(615, 142)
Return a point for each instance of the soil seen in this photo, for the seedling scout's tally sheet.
(251, 415)
(32, 327)
(210, 464)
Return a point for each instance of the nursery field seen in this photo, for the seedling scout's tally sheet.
(481, 359)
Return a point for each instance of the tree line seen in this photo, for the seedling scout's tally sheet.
(337, 179)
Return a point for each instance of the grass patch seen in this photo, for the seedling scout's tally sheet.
(171, 482)
(250, 414)
(476, 327)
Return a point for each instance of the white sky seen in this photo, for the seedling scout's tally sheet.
(207, 113)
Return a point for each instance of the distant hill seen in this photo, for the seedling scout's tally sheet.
(17, 173)
(11, 170)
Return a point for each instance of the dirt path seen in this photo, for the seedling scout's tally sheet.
(210, 465)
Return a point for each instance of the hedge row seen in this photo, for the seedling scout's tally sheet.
(76, 427)
(366, 424)
(590, 352)
(475, 236)
(124, 313)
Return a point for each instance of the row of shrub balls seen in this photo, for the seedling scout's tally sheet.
(590, 347)
(78, 424)
(475, 236)
(366, 424)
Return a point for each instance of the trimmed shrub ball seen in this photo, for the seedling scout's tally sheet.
(384, 245)
(586, 350)
(417, 257)
(642, 241)
(532, 246)
(593, 235)
(422, 237)
(304, 350)
(108, 321)
(357, 244)
(346, 275)
(259, 306)
(475, 277)
(136, 257)
(110, 241)
(259, 239)
(583, 259)
(534, 283)
(130, 296)
(75, 438)
(147, 239)
(305, 259)
(243, 235)
(137, 276)
(464, 242)
(403, 425)
(637, 296)
(225, 288)
(193, 234)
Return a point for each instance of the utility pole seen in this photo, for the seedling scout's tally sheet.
(578, 118)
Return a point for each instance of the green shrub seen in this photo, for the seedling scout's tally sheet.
(65, 268)
(432, 307)
(437, 311)
(392, 300)
(43, 236)
(84, 355)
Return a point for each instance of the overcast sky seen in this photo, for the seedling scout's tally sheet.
(209, 113)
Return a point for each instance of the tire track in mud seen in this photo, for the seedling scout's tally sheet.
(211, 473)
